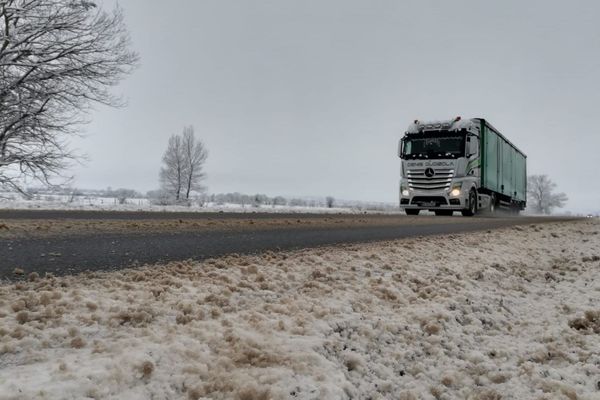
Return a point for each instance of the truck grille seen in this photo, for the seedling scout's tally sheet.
(441, 179)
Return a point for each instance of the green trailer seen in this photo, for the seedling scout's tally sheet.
(503, 168)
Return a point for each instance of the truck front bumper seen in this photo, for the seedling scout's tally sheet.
(430, 200)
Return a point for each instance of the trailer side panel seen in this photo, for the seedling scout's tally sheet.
(504, 166)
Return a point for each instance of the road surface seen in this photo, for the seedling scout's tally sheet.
(69, 254)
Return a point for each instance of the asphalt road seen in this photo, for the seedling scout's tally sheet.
(73, 254)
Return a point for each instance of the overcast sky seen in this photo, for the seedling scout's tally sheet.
(309, 98)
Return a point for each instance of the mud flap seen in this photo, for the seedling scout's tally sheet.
(483, 201)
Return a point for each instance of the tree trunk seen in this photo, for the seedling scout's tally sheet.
(189, 182)
(178, 193)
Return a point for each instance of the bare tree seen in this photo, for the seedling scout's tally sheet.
(57, 58)
(279, 201)
(258, 199)
(195, 155)
(123, 194)
(173, 172)
(183, 163)
(540, 190)
(298, 203)
(158, 197)
(330, 201)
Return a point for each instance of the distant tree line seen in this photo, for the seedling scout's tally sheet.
(200, 199)
(121, 194)
(257, 200)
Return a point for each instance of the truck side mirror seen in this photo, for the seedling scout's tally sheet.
(400, 147)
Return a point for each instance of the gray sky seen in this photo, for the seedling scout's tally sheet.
(311, 97)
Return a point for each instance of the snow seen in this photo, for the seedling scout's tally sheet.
(507, 314)
(452, 124)
(96, 203)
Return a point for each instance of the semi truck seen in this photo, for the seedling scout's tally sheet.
(463, 165)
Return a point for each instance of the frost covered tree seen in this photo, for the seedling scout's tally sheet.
(172, 173)
(123, 194)
(540, 191)
(183, 165)
(57, 58)
(259, 199)
(279, 201)
(195, 155)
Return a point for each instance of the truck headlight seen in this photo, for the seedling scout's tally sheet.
(455, 191)
(404, 189)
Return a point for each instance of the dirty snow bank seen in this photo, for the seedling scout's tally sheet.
(509, 314)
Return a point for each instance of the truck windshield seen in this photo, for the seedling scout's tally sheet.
(437, 145)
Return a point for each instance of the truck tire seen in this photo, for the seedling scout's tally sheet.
(492, 209)
(411, 211)
(472, 210)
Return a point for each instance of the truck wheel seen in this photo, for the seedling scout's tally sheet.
(492, 204)
(472, 210)
(411, 211)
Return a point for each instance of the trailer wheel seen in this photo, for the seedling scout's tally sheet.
(411, 211)
(515, 209)
(492, 204)
(472, 210)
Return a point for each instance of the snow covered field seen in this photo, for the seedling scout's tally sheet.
(95, 203)
(508, 314)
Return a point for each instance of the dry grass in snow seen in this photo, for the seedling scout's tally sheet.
(509, 314)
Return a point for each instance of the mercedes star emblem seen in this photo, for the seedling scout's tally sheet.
(429, 172)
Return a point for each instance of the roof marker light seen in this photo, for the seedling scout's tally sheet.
(457, 118)
(416, 121)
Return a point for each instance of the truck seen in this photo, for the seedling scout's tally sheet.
(463, 165)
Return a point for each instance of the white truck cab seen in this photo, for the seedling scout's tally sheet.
(440, 168)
